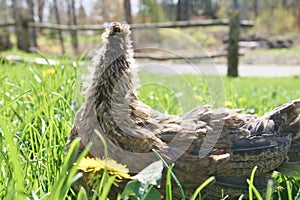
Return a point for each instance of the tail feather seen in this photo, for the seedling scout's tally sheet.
(282, 121)
(286, 119)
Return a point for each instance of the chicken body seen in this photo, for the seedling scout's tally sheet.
(202, 142)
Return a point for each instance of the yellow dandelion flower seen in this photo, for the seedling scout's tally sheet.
(229, 103)
(116, 168)
(40, 94)
(90, 165)
(95, 164)
(242, 99)
(49, 72)
(30, 97)
(198, 97)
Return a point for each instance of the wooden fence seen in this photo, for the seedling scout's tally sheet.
(178, 24)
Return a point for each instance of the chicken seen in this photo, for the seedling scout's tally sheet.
(202, 142)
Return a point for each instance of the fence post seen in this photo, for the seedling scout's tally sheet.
(233, 45)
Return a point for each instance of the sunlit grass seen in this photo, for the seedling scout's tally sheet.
(37, 109)
(254, 95)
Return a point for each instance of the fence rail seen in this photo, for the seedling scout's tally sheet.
(178, 24)
(233, 24)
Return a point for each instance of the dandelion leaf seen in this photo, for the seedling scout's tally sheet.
(151, 175)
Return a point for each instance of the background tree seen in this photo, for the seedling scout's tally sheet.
(40, 9)
(169, 9)
(82, 15)
(208, 8)
(127, 8)
(183, 10)
(31, 17)
(5, 13)
(106, 11)
(73, 21)
(57, 16)
(150, 11)
(5, 42)
(255, 8)
(21, 27)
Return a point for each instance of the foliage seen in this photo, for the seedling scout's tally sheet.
(37, 110)
(204, 39)
(36, 113)
(255, 95)
(275, 22)
(222, 12)
(150, 11)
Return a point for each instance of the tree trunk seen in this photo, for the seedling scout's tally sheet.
(183, 10)
(233, 45)
(73, 21)
(61, 39)
(255, 8)
(127, 8)
(21, 27)
(284, 3)
(235, 4)
(41, 4)
(297, 13)
(32, 30)
(5, 42)
(208, 8)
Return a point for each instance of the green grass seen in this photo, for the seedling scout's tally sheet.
(177, 94)
(37, 109)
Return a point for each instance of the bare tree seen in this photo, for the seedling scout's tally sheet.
(73, 21)
(183, 10)
(31, 16)
(5, 42)
(81, 13)
(255, 8)
(297, 12)
(40, 9)
(169, 8)
(21, 27)
(5, 11)
(61, 39)
(108, 11)
(127, 8)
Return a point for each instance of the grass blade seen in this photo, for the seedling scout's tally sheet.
(14, 100)
(107, 187)
(169, 184)
(102, 186)
(103, 142)
(253, 188)
(173, 175)
(203, 185)
(269, 190)
(17, 171)
(82, 194)
(66, 178)
(298, 194)
(289, 190)
(251, 183)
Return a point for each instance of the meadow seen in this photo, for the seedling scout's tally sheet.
(37, 107)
